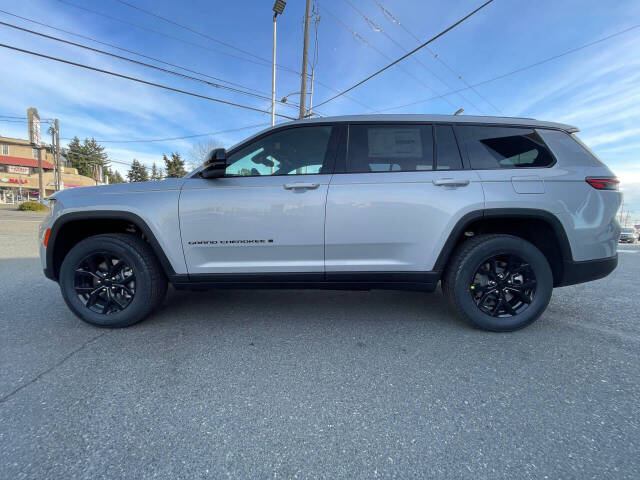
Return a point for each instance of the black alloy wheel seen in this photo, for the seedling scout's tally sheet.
(104, 283)
(498, 282)
(503, 286)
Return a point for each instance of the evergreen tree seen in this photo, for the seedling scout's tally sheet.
(113, 176)
(174, 166)
(84, 155)
(137, 172)
(156, 173)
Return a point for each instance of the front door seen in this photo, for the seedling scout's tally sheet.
(267, 213)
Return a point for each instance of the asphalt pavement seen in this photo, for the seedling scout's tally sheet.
(315, 384)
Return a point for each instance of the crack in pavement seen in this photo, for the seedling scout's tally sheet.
(53, 367)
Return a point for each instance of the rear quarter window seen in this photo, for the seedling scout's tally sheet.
(491, 147)
(568, 149)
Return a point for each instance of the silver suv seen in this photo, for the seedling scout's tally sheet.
(499, 210)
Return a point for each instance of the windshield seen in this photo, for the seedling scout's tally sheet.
(628, 230)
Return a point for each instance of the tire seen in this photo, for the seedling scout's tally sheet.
(471, 280)
(139, 288)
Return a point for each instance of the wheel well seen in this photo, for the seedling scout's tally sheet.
(75, 231)
(537, 231)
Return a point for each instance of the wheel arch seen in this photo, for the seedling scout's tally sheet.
(540, 227)
(70, 228)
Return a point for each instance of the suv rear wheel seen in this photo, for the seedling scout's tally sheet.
(498, 282)
(112, 280)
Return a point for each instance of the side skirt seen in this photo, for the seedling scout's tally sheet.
(408, 281)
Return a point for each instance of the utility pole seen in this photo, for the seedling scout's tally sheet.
(60, 183)
(305, 55)
(52, 131)
(40, 185)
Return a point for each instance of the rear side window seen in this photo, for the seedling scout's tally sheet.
(390, 148)
(447, 153)
(505, 147)
(568, 149)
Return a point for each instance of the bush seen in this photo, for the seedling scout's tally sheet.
(32, 207)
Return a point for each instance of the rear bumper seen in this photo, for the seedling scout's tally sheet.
(588, 270)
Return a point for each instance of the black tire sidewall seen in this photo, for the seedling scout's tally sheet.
(138, 307)
(498, 246)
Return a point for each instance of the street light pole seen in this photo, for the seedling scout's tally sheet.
(273, 75)
(278, 8)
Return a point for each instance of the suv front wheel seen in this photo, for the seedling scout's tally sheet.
(112, 280)
(498, 282)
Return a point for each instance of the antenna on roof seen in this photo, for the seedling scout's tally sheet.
(459, 111)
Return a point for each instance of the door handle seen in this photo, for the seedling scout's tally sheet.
(450, 182)
(297, 185)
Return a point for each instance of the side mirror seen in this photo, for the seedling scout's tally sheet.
(215, 164)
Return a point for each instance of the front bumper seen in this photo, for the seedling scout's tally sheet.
(588, 270)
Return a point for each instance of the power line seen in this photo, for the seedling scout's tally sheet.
(158, 32)
(139, 80)
(395, 20)
(149, 140)
(187, 42)
(204, 35)
(446, 30)
(380, 52)
(137, 62)
(111, 45)
(379, 29)
(518, 70)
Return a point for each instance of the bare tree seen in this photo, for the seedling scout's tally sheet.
(200, 150)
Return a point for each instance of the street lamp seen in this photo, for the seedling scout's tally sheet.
(278, 8)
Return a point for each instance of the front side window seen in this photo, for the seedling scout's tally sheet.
(505, 147)
(295, 151)
(390, 148)
(5, 149)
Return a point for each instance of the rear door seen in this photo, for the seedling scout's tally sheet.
(513, 163)
(395, 197)
(267, 213)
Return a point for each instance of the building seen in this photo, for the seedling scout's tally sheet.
(19, 171)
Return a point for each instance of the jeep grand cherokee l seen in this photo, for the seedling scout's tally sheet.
(499, 210)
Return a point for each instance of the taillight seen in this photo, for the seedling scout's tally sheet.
(603, 183)
(45, 241)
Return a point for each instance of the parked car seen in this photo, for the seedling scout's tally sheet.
(628, 235)
(498, 210)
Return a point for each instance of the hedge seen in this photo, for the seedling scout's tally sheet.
(32, 207)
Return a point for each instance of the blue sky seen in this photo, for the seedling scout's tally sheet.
(596, 89)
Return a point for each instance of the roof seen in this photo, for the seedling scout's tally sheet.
(20, 141)
(23, 162)
(458, 119)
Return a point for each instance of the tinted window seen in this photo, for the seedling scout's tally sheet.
(390, 148)
(447, 153)
(568, 149)
(295, 151)
(505, 147)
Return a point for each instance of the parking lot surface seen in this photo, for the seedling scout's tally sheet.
(315, 384)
